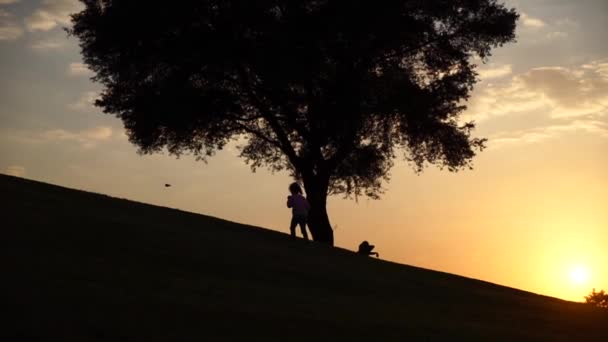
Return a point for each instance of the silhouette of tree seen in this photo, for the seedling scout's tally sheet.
(329, 90)
(599, 299)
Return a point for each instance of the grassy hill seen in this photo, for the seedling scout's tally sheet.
(79, 266)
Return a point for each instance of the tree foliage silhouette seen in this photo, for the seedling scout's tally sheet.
(330, 90)
(599, 299)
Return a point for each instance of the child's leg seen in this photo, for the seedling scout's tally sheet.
(292, 226)
(303, 228)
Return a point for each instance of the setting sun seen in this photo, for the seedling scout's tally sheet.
(579, 275)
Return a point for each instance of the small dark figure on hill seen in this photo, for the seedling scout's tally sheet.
(366, 249)
(299, 207)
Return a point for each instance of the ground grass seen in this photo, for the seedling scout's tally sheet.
(79, 266)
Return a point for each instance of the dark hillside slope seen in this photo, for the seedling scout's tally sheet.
(79, 266)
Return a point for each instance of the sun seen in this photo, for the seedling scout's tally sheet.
(579, 274)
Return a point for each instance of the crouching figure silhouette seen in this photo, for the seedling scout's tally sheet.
(366, 249)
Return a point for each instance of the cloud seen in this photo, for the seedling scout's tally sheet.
(544, 103)
(502, 99)
(600, 67)
(86, 102)
(52, 13)
(529, 21)
(567, 23)
(495, 72)
(14, 170)
(99, 133)
(535, 31)
(571, 91)
(9, 29)
(6, 2)
(79, 69)
(554, 35)
(45, 45)
(557, 91)
(8, 32)
(86, 138)
(540, 134)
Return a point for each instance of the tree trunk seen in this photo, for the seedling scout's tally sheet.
(318, 220)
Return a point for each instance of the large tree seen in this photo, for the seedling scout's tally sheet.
(330, 90)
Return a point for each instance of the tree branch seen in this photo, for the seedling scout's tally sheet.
(265, 112)
(259, 135)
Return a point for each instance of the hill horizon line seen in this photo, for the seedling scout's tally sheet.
(269, 230)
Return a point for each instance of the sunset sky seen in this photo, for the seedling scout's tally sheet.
(533, 214)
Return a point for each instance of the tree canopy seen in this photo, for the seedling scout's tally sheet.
(599, 299)
(331, 90)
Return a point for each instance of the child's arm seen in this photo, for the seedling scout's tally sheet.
(289, 204)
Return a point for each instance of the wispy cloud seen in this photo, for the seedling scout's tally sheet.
(535, 31)
(79, 69)
(47, 44)
(562, 99)
(540, 134)
(7, 2)
(557, 91)
(86, 138)
(529, 21)
(9, 28)
(10, 32)
(93, 134)
(600, 67)
(571, 91)
(14, 170)
(51, 14)
(86, 102)
(554, 35)
(491, 71)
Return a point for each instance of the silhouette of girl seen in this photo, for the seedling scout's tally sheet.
(299, 208)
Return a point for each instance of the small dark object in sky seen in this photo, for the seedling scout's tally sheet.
(366, 249)
(167, 185)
